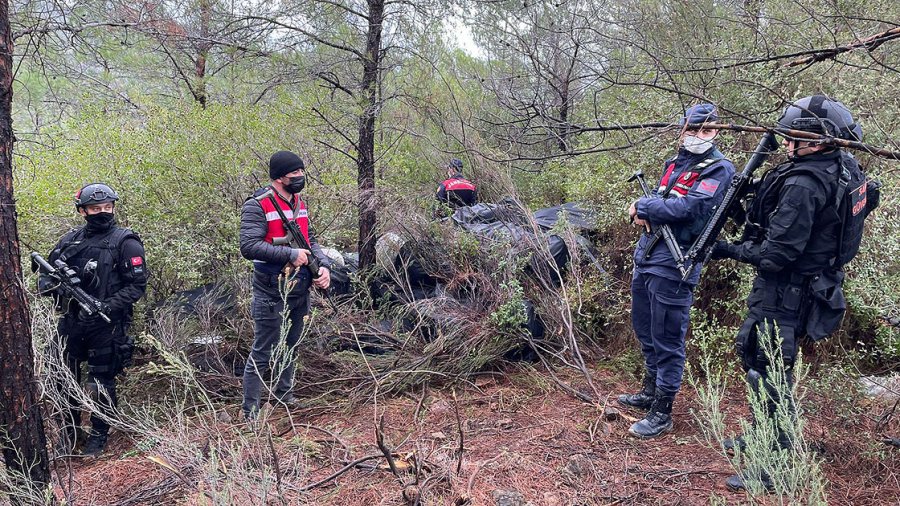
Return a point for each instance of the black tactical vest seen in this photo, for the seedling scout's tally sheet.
(825, 170)
(95, 258)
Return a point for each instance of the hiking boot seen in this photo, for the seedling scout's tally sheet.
(731, 444)
(658, 421)
(736, 482)
(643, 399)
(96, 443)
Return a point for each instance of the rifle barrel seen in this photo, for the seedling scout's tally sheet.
(702, 247)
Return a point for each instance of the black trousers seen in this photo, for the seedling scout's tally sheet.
(95, 343)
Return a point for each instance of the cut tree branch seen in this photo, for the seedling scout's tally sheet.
(869, 43)
(784, 132)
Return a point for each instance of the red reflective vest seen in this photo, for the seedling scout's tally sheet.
(296, 211)
(457, 184)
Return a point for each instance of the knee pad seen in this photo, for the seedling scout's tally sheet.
(102, 390)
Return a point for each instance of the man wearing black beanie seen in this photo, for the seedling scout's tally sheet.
(280, 286)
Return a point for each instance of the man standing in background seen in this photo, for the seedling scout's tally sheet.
(456, 191)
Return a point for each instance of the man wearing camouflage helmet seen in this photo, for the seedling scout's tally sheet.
(109, 260)
(794, 235)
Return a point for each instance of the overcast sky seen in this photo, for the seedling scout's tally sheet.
(463, 36)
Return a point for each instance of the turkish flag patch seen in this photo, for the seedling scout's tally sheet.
(135, 261)
(708, 187)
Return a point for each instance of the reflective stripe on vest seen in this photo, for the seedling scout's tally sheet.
(685, 181)
(275, 227)
(458, 185)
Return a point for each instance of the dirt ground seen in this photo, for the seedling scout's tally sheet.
(524, 441)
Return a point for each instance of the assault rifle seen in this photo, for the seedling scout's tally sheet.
(67, 282)
(702, 248)
(663, 230)
(295, 238)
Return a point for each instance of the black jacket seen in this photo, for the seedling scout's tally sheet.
(111, 265)
(796, 217)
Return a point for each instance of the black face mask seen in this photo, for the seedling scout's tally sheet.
(295, 184)
(100, 222)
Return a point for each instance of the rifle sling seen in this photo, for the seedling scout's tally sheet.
(284, 219)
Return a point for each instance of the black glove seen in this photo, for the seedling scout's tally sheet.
(83, 317)
(124, 348)
(724, 249)
(47, 286)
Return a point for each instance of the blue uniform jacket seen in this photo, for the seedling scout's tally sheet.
(696, 185)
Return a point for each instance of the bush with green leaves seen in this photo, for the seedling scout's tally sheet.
(777, 458)
(182, 175)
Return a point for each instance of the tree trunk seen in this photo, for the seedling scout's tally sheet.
(23, 441)
(366, 159)
(203, 46)
(563, 129)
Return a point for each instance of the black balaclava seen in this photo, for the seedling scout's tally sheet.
(99, 223)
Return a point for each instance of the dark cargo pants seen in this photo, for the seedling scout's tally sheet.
(777, 307)
(660, 313)
(94, 343)
(274, 323)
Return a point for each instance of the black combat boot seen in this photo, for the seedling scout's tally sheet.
(658, 421)
(96, 443)
(737, 482)
(732, 444)
(644, 398)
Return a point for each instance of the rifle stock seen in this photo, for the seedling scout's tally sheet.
(702, 247)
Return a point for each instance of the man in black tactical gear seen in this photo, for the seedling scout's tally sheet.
(109, 260)
(792, 237)
(278, 300)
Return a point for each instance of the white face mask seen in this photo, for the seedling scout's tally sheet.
(696, 145)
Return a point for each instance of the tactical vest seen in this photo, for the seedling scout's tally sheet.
(679, 188)
(460, 191)
(295, 211)
(821, 248)
(95, 258)
(456, 184)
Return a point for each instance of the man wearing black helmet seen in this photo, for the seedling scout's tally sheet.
(112, 267)
(278, 300)
(793, 236)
